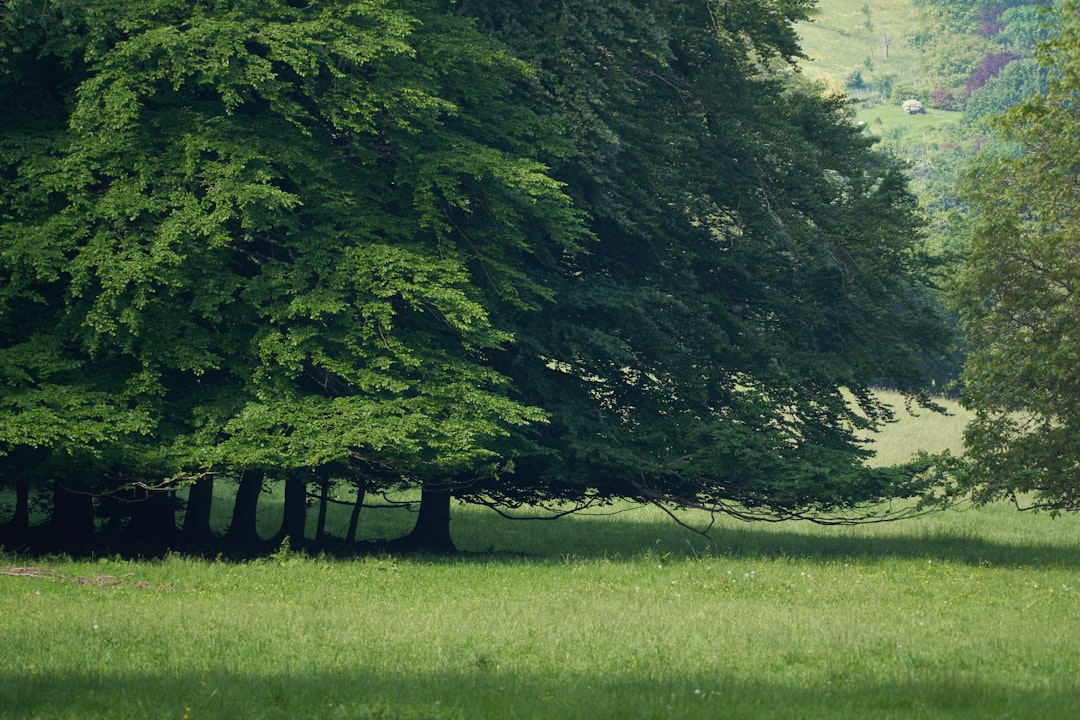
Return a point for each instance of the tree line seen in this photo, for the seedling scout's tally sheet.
(505, 252)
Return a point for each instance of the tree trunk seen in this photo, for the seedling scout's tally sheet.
(72, 515)
(196, 528)
(294, 520)
(243, 529)
(324, 498)
(432, 530)
(20, 521)
(354, 518)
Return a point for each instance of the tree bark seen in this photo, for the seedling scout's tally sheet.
(294, 519)
(324, 499)
(432, 530)
(243, 529)
(20, 521)
(196, 528)
(354, 518)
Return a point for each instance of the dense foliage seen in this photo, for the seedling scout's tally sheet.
(1016, 294)
(505, 251)
(976, 57)
(755, 258)
(964, 43)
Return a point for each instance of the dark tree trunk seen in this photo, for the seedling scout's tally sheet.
(324, 499)
(294, 520)
(243, 529)
(432, 530)
(200, 501)
(354, 518)
(72, 515)
(20, 521)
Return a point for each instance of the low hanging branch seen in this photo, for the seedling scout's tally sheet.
(867, 516)
(171, 484)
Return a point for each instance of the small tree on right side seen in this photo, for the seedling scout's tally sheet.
(1018, 294)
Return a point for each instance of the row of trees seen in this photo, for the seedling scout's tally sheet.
(505, 251)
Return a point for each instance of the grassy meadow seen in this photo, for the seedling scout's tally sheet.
(883, 120)
(846, 35)
(964, 614)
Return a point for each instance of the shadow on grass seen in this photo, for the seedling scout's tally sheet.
(1002, 539)
(607, 537)
(480, 692)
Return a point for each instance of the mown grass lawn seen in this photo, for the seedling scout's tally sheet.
(969, 614)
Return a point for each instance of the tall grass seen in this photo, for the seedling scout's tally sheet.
(964, 614)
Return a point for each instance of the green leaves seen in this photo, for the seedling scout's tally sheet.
(753, 258)
(278, 227)
(1015, 293)
(612, 242)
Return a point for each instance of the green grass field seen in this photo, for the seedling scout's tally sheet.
(847, 34)
(971, 613)
(906, 133)
(961, 615)
(917, 429)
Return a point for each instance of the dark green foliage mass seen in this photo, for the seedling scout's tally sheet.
(509, 251)
(254, 236)
(755, 260)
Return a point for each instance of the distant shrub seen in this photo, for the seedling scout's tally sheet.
(854, 80)
(913, 107)
(943, 99)
(991, 65)
(907, 90)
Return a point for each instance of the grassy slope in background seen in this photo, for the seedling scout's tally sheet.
(846, 35)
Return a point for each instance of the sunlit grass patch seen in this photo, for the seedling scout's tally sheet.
(845, 35)
(918, 429)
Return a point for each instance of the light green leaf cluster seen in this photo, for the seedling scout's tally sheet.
(270, 228)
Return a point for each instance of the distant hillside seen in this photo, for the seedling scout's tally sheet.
(940, 52)
(849, 36)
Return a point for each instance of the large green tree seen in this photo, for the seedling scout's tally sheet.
(254, 235)
(508, 251)
(756, 267)
(1017, 293)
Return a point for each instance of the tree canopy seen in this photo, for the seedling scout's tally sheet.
(757, 267)
(513, 252)
(1016, 293)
